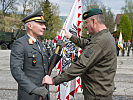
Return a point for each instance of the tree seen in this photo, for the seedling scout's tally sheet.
(125, 28)
(109, 18)
(128, 9)
(7, 6)
(91, 4)
(53, 22)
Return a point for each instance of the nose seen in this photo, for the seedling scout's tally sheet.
(85, 26)
(44, 27)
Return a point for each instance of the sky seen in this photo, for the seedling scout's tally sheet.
(65, 5)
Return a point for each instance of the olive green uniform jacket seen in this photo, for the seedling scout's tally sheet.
(96, 65)
(27, 75)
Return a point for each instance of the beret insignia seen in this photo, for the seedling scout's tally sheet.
(85, 15)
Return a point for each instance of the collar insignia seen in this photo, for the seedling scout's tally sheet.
(30, 41)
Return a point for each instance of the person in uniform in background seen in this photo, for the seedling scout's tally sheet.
(124, 47)
(29, 59)
(128, 47)
(117, 48)
(97, 63)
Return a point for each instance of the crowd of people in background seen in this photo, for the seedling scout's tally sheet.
(49, 44)
(127, 48)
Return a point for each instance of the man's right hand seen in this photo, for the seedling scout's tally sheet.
(67, 33)
(48, 80)
(60, 43)
(41, 91)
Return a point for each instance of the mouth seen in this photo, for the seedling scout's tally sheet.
(42, 30)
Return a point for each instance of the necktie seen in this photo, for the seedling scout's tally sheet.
(37, 42)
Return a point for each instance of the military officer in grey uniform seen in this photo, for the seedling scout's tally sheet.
(29, 61)
(97, 62)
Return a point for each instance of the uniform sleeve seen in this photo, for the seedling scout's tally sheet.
(90, 55)
(80, 42)
(16, 67)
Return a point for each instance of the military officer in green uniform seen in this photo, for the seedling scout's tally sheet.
(29, 60)
(97, 62)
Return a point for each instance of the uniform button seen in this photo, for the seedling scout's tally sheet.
(44, 64)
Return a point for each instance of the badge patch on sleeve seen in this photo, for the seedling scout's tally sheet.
(88, 53)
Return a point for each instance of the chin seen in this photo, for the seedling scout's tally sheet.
(41, 34)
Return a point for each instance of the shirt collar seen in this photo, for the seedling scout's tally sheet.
(32, 38)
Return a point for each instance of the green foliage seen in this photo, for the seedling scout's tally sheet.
(109, 18)
(128, 9)
(125, 28)
(85, 33)
(53, 22)
(91, 4)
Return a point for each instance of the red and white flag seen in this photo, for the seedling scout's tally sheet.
(73, 24)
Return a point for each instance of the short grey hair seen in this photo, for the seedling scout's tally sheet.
(100, 18)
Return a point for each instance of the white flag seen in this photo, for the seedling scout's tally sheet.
(73, 22)
(120, 41)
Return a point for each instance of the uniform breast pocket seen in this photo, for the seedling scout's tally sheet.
(31, 55)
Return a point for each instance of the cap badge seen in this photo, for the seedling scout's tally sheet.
(42, 18)
(85, 15)
(41, 11)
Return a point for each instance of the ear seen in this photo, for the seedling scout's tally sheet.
(94, 21)
(29, 25)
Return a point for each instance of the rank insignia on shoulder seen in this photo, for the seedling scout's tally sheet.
(30, 41)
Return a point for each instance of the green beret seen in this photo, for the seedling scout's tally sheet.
(92, 12)
(37, 16)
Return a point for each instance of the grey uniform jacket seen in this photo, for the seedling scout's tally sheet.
(27, 75)
(96, 65)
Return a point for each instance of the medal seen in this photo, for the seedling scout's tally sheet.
(34, 61)
(43, 49)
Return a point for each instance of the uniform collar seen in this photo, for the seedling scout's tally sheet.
(100, 32)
